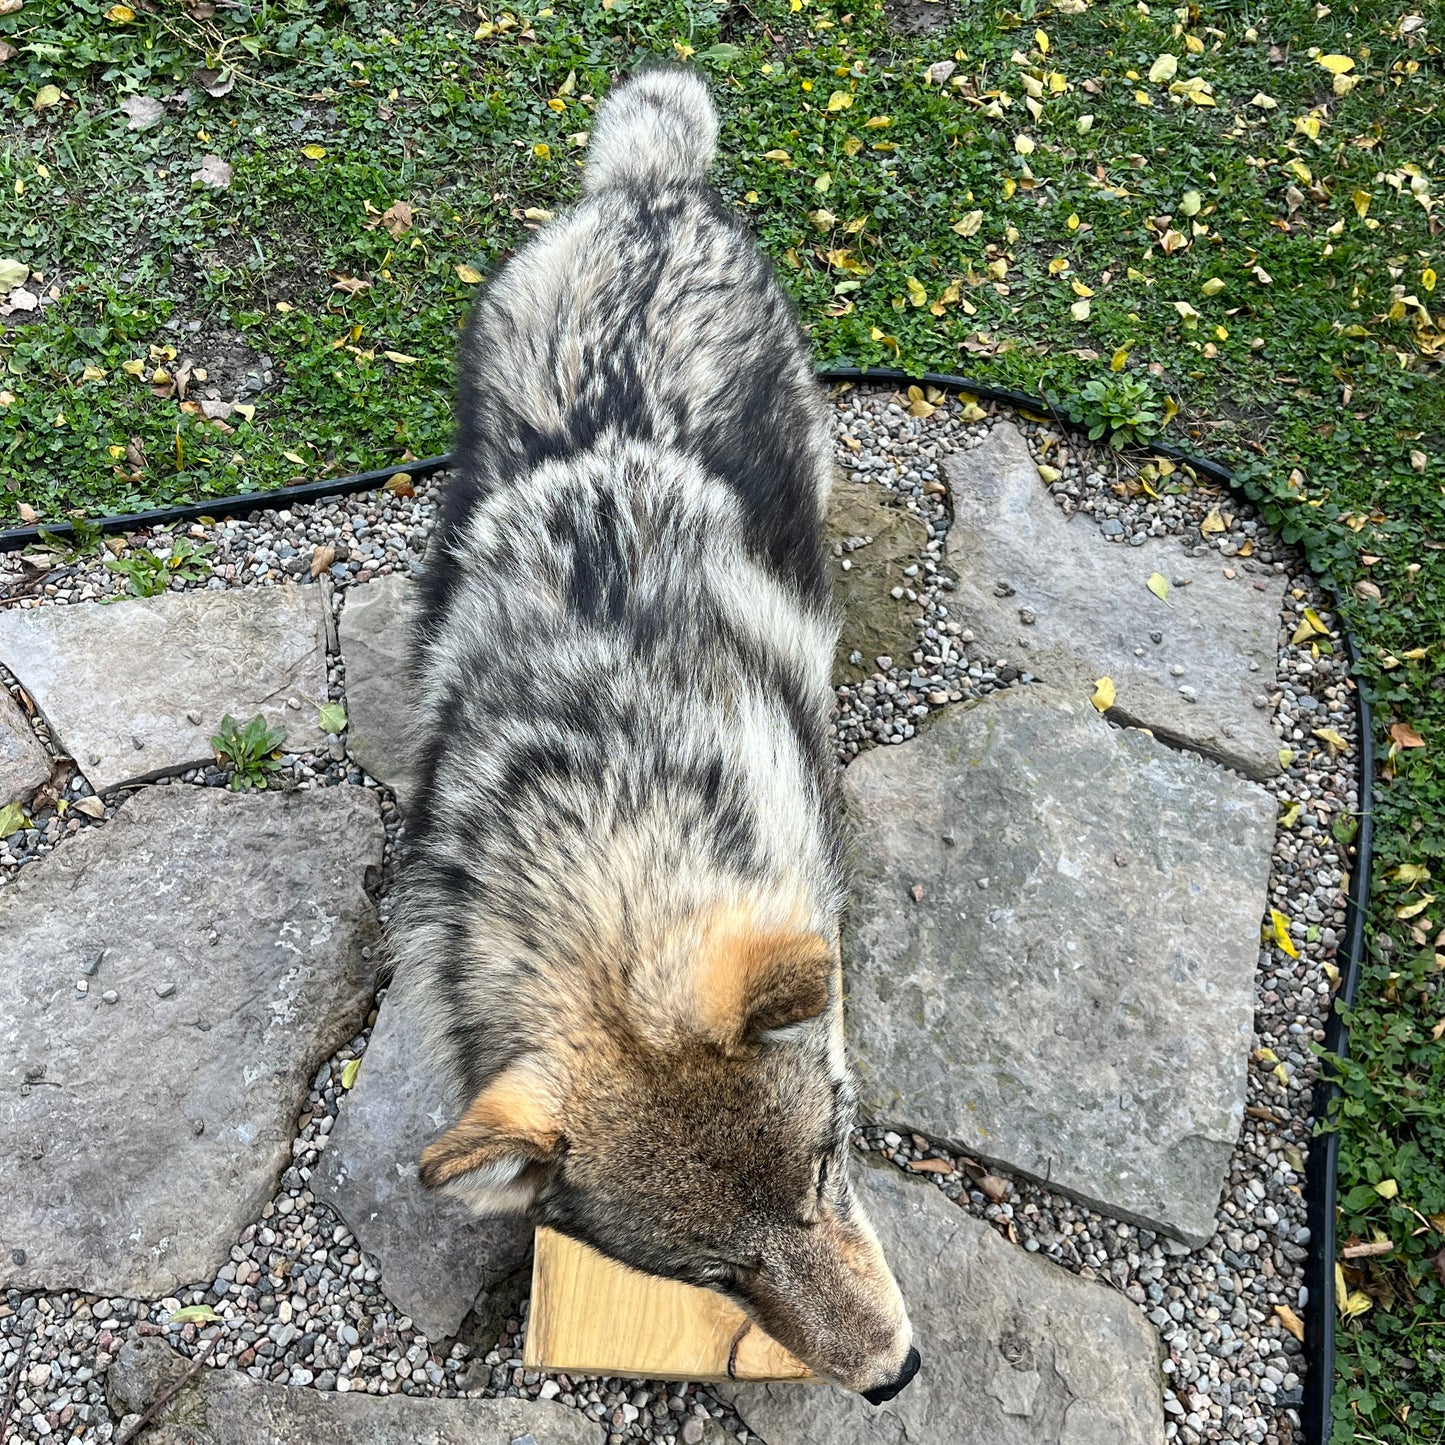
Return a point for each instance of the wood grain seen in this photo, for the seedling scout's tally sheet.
(592, 1316)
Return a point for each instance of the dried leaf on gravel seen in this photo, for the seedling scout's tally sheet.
(193, 1315)
(12, 819)
(331, 717)
(349, 1073)
(1279, 924)
(1213, 524)
(1291, 1321)
(144, 111)
(1104, 694)
(91, 807)
(1332, 740)
(321, 559)
(399, 484)
(994, 1188)
(930, 1166)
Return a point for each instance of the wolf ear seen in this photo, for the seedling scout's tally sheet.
(756, 983)
(495, 1156)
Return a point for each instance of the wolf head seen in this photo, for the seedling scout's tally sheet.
(708, 1143)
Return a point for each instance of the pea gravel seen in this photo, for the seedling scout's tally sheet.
(299, 1303)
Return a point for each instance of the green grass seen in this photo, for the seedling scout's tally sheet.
(1264, 270)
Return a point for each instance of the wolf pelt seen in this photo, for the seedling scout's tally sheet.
(621, 912)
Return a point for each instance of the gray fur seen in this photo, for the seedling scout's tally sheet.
(628, 796)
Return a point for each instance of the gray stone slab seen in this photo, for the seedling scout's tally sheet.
(148, 1100)
(437, 1259)
(879, 537)
(24, 764)
(226, 1407)
(119, 683)
(375, 645)
(1073, 996)
(1016, 1351)
(1093, 610)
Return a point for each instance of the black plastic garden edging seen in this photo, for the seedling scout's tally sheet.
(1320, 1180)
(217, 507)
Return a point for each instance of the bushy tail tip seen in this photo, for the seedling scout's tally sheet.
(659, 125)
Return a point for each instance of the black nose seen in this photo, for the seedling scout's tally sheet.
(880, 1393)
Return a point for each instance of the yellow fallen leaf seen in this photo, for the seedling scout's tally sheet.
(1313, 619)
(47, 96)
(1291, 1321)
(120, 14)
(1280, 925)
(313, 152)
(1080, 309)
(1213, 286)
(969, 225)
(1073, 222)
(877, 122)
(1118, 359)
(1024, 145)
(349, 1073)
(468, 274)
(400, 358)
(1332, 740)
(1290, 816)
(1411, 874)
(778, 155)
(1336, 64)
(1158, 584)
(1078, 287)
(1361, 200)
(1410, 910)
(839, 100)
(1104, 694)
(244, 410)
(295, 460)
(917, 293)
(1049, 474)
(1286, 757)
(1387, 1189)
(1166, 67)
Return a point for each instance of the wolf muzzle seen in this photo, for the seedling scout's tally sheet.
(881, 1393)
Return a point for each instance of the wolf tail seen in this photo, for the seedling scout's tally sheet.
(658, 127)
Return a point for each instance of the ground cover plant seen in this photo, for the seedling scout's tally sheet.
(237, 238)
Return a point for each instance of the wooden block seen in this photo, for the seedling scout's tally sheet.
(592, 1316)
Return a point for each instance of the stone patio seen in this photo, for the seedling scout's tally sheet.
(1050, 959)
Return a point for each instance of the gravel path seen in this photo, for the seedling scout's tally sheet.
(299, 1303)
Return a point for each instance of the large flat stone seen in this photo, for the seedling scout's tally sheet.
(139, 1136)
(24, 764)
(120, 682)
(879, 538)
(1073, 997)
(226, 1407)
(437, 1260)
(375, 645)
(1016, 1351)
(1092, 609)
